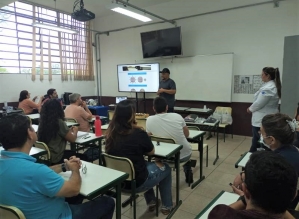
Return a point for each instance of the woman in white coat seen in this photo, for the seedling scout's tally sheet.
(265, 102)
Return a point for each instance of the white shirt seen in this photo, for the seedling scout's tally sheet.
(265, 102)
(170, 125)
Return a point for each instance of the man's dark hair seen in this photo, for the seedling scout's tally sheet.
(271, 181)
(50, 91)
(14, 131)
(160, 104)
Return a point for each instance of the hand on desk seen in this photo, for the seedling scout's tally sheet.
(73, 164)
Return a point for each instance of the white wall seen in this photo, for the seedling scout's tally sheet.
(12, 84)
(255, 35)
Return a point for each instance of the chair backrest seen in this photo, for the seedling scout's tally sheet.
(42, 145)
(141, 123)
(119, 163)
(21, 109)
(162, 139)
(70, 120)
(222, 109)
(110, 114)
(193, 128)
(10, 212)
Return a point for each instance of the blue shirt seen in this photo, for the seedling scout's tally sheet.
(31, 187)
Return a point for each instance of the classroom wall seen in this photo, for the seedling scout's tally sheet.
(12, 84)
(255, 35)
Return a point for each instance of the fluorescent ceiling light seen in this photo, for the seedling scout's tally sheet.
(131, 14)
(51, 27)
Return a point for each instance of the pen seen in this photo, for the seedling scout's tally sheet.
(86, 137)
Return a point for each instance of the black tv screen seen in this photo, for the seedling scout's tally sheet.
(166, 42)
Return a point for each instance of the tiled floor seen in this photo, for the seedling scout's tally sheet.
(218, 177)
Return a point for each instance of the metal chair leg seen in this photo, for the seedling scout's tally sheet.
(207, 159)
(157, 200)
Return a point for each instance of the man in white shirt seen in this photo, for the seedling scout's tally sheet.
(170, 125)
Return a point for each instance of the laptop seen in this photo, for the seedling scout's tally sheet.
(118, 99)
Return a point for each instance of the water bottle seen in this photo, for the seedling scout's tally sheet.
(97, 125)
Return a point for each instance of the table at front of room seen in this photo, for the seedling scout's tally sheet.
(85, 141)
(167, 151)
(97, 180)
(212, 127)
(223, 197)
(197, 136)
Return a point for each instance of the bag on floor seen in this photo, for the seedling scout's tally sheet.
(92, 153)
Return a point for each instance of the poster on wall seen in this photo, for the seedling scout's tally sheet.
(247, 84)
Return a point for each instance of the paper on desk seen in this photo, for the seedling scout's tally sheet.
(81, 134)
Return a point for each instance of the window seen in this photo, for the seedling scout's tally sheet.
(28, 49)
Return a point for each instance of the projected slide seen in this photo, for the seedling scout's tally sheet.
(138, 77)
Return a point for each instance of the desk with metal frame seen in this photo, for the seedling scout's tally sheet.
(197, 136)
(34, 152)
(209, 127)
(167, 151)
(98, 180)
(243, 160)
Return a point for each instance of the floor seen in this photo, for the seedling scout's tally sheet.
(218, 177)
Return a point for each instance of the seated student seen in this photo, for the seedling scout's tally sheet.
(269, 187)
(171, 125)
(278, 132)
(78, 110)
(52, 130)
(29, 106)
(297, 131)
(36, 189)
(125, 139)
(51, 94)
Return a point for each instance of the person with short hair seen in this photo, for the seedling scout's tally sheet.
(269, 184)
(167, 89)
(265, 102)
(78, 110)
(51, 94)
(125, 139)
(36, 189)
(171, 125)
(29, 106)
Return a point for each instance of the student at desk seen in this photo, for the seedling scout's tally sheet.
(278, 133)
(125, 139)
(53, 131)
(269, 187)
(29, 106)
(297, 131)
(36, 189)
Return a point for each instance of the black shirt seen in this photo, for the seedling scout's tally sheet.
(134, 146)
(168, 84)
(291, 154)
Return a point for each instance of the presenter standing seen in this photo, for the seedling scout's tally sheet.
(167, 89)
(265, 102)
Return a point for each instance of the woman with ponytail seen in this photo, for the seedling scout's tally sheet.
(265, 102)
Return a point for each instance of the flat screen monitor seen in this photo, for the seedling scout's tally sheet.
(138, 77)
(158, 43)
(118, 99)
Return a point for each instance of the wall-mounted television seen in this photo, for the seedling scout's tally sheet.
(138, 77)
(158, 43)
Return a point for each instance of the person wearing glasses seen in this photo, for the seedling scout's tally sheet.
(29, 106)
(277, 134)
(125, 139)
(269, 185)
(265, 102)
(36, 189)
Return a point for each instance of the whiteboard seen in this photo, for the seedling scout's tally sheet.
(202, 78)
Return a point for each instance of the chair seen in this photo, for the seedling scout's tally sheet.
(10, 212)
(71, 120)
(44, 158)
(141, 122)
(195, 145)
(125, 165)
(171, 141)
(21, 109)
(223, 110)
(110, 114)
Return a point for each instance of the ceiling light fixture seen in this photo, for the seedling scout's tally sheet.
(51, 27)
(131, 14)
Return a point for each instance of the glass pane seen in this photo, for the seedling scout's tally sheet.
(9, 48)
(25, 57)
(10, 63)
(27, 64)
(25, 28)
(8, 55)
(10, 40)
(26, 70)
(25, 35)
(24, 20)
(9, 70)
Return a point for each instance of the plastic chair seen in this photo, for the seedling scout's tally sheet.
(171, 141)
(223, 110)
(11, 212)
(71, 120)
(110, 114)
(44, 158)
(195, 145)
(125, 165)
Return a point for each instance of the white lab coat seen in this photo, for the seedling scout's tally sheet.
(265, 102)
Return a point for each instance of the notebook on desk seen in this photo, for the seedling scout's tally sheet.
(82, 134)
